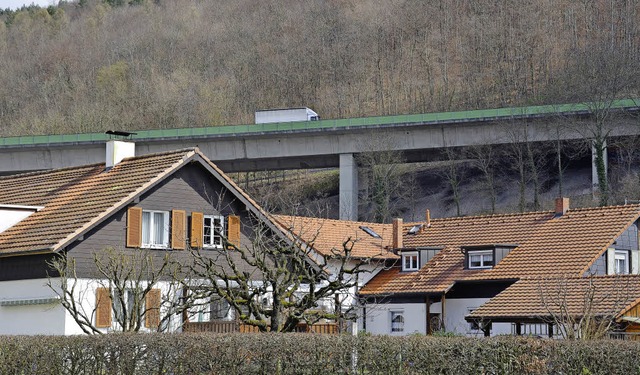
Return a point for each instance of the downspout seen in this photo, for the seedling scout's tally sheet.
(428, 303)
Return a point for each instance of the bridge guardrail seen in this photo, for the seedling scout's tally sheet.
(461, 116)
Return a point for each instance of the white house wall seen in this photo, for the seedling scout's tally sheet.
(86, 297)
(378, 318)
(19, 318)
(455, 311)
(350, 299)
(31, 319)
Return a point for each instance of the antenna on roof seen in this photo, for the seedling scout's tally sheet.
(118, 133)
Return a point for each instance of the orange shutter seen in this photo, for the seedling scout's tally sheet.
(233, 230)
(197, 223)
(134, 227)
(103, 308)
(152, 303)
(178, 229)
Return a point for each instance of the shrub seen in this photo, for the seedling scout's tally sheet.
(279, 354)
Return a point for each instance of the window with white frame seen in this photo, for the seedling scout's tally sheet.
(213, 231)
(622, 262)
(480, 258)
(397, 321)
(410, 261)
(155, 229)
(207, 309)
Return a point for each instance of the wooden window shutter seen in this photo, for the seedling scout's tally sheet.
(103, 308)
(178, 229)
(152, 303)
(134, 227)
(197, 224)
(233, 230)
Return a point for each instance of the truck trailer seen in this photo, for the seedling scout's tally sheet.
(266, 116)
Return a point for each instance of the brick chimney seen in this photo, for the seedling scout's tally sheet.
(396, 241)
(427, 219)
(562, 206)
(118, 150)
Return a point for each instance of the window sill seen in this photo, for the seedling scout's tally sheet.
(157, 247)
(212, 247)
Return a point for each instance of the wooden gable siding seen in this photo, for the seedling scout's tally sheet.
(184, 190)
(25, 267)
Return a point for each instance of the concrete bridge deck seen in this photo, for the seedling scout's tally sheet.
(318, 144)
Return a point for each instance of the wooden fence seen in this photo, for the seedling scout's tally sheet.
(225, 326)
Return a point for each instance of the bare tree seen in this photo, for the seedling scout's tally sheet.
(586, 308)
(275, 283)
(454, 172)
(137, 286)
(599, 74)
(526, 159)
(484, 159)
(380, 162)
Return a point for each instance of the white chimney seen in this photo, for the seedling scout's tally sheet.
(118, 150)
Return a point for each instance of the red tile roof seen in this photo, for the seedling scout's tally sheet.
(328, 236)
(547, 246)
(542, 298)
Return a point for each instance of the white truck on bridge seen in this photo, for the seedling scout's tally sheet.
(266, 116)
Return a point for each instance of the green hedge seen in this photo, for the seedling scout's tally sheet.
(311, 354)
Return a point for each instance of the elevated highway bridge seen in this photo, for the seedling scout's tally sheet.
(324, 143)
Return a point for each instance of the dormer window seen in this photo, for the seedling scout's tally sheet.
(485, 256)
(480, 259)
(410, 261)
(621, 262)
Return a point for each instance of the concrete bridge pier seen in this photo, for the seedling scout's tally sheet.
(348, 187)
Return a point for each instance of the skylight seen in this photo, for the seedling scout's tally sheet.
(415, 229)
(370, 231)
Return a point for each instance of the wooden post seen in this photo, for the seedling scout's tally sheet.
(519, 329)
(443, 315)
(428, 303)
(550, 330)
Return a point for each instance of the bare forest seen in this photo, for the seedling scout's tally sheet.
(94, 65)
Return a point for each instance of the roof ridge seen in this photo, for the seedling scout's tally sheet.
(492, 216)
(333, 220)
(596, 277)
(154, 154)
(93, 165)
(530, 213)
(47, 171)
(602, 208)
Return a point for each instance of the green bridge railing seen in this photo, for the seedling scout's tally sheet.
(425, 118)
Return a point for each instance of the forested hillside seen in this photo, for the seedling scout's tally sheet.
(93, 66)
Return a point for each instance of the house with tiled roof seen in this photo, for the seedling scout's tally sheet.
(451, 267)
(163, 203)
(369, 244)
(568, 307)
